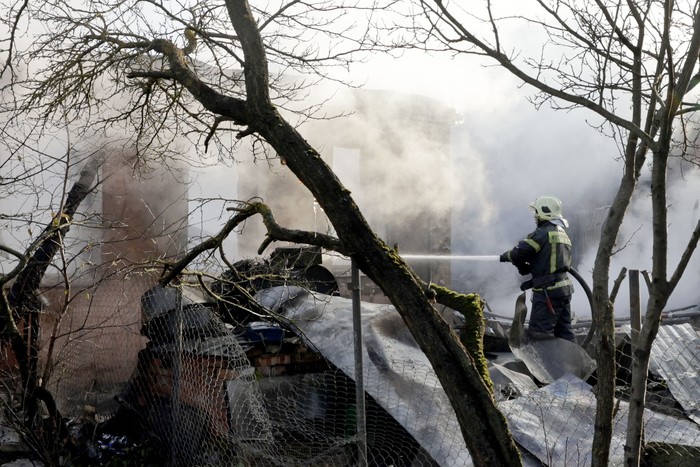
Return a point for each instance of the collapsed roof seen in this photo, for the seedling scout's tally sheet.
(554, 423)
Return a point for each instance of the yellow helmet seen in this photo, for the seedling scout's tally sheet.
(547, 208)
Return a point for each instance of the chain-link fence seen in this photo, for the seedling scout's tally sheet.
(212, 374)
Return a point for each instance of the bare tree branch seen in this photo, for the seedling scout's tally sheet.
(685, 257)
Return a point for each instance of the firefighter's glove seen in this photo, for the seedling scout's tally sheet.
(523, 269)
(504, 257)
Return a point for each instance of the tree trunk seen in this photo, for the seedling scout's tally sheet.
(604, 321)
(22, 300)
(640, 369)
(483, 426)
(658, 297)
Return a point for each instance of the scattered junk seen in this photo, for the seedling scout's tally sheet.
(194, 397)
(235, 287)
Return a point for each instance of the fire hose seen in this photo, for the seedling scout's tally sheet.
(589, 295)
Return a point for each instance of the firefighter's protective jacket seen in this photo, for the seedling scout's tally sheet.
(546, 254)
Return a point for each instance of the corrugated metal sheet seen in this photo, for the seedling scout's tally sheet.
(675, 356)
(550, 359)
(556, 424)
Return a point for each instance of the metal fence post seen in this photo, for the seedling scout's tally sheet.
(359, 377)
(177, 375)
(635, 308)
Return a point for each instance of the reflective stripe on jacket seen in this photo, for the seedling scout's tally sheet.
(547, 254)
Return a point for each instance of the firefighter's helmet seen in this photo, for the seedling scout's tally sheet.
(547, 208)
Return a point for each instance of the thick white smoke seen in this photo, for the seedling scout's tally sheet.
(505, 153)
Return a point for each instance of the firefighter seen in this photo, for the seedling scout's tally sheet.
(546, 254)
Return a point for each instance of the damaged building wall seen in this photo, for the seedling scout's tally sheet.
(144, 213)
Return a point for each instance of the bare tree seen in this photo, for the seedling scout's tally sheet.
(633, 64)
(21, 305)
(202, 70)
